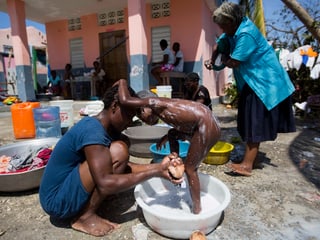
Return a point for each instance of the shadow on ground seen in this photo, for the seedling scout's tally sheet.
(304, 151)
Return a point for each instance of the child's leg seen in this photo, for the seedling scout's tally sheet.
(197, 151)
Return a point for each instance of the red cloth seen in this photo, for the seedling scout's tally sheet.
(41, 159)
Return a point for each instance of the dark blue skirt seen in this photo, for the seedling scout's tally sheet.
(255, 123)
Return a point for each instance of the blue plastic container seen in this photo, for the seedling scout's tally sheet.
(158, 155)
(47, 122)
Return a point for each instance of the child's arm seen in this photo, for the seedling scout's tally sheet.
(123, 90)
(126, 99)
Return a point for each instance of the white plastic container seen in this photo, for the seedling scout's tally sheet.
(164, 91)
(167, 210)
(66, 112)
(93, 108)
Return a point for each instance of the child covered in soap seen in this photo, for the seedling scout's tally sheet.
(192, 121)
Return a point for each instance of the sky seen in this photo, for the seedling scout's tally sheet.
(269, 7)
(5, 23)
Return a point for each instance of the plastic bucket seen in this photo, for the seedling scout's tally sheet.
(22, 119)
(164, 91)
(66, 112)
(158, 155)
(93, 108)
(47, 121)
(219, 153)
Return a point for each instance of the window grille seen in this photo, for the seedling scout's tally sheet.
(111, 17)
(74, 24)
(160, 9)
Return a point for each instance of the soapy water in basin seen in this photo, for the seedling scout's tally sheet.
(179, 203)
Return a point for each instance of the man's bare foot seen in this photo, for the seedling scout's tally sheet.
(240, 169)
(94, 225)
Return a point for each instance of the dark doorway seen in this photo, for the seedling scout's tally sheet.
(113, 56)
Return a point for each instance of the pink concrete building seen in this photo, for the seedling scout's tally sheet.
(37, 46)
(123, 35)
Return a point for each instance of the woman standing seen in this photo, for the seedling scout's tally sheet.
(265, 88)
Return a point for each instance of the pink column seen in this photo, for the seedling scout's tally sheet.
(139, 75)
(21, 52)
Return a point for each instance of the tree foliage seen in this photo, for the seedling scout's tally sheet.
(296, 24)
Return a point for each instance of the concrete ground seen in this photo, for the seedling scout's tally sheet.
(281, 200)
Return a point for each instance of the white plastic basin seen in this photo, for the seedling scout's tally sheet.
(167, 208)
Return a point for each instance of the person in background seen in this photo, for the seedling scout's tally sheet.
(190, 120)
(166, 64)
(98, 75)
(54, 83)
(264, 107)
(67, 78)
(196, 92)
(179, 62)
(91, 162)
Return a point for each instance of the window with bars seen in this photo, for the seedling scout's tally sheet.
(160, 9)
(76, 53)
(111, 17)
(7, 49)
(158, 33)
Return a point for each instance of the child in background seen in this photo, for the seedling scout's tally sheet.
(166, 64)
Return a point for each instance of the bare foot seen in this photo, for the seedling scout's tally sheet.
(240, 169)
(176, 171)
(94, 225)
(197, 235)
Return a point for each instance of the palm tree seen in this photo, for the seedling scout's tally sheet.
(254, 10)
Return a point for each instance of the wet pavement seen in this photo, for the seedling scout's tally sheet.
(281, 200)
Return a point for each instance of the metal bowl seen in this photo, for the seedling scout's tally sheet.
(21, 181)
(141, 137)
